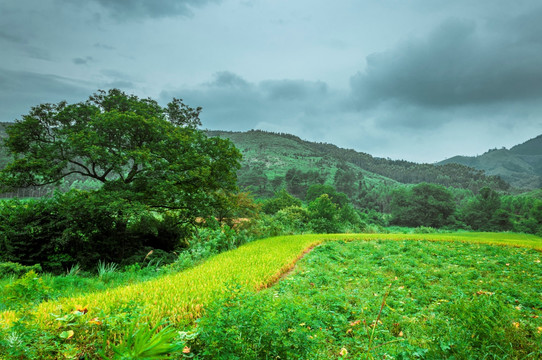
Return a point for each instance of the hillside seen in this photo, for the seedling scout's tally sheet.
(269, 156)
(272, 161)
(521, 166)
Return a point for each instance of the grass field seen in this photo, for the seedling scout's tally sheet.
(182, 297)
(411, 299)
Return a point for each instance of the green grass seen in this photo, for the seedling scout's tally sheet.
(181, 298)
(390, 299)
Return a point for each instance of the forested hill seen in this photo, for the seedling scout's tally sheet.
(272, 155)
(521, 166)
(273, 160)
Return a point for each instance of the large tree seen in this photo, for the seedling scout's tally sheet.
(139, 150)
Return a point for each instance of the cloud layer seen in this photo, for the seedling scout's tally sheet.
(419, 80)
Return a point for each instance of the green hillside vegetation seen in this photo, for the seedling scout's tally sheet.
(267, 157)
(521, 166)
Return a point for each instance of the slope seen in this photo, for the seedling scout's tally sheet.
(521, 166)
(269, 156)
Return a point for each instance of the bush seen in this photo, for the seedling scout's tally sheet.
(280, 201)
(16, 269)
(82, 228)
(27, 290)
(294, 219)
(324, 215)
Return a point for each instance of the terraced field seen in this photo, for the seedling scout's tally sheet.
(179, 299)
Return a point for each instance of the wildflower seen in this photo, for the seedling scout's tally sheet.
(343, 352)
(186, 350)
(95, 321)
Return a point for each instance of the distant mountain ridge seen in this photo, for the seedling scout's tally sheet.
(277, 152)
(521, 166)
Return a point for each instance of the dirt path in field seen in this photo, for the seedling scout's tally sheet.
(287, 270)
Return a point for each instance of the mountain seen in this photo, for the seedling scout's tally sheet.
(272, 155)
(521, 166)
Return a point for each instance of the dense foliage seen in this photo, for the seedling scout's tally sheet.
(136, 148)
(157, 174)
(423, 205)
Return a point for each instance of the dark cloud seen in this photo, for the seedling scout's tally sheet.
(82, 61)
(228, 79)
(293, 89)
(232, 103)
(458, 64)
(138, 9)
(103, 46)
(117, 79)
(10, 37)
(35, 52)
(120, 84)
(22, 90)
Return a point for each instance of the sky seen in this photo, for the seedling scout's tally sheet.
(418, 80)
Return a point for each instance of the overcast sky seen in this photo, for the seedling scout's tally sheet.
(419, 80)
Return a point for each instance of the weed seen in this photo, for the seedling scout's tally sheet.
(106, 270)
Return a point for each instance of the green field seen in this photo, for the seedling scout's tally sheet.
(434, 284)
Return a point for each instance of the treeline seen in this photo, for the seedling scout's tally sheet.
(423, 205)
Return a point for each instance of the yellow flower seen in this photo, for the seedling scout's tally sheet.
(343, 352)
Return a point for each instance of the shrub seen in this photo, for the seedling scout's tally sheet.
(487, 326)
(27, 290)
(294, 219)
(280, 201)
(324, 215)
(81, 227)
(16, 269)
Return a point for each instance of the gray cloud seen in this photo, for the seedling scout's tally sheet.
(82, 61)
(139, 9)
(22, 90)
(120, 84)
(456, 65)
(231, 102)
(293, 89)
(103, 46)
(7, 36)
(228, 79)
(37, 53)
